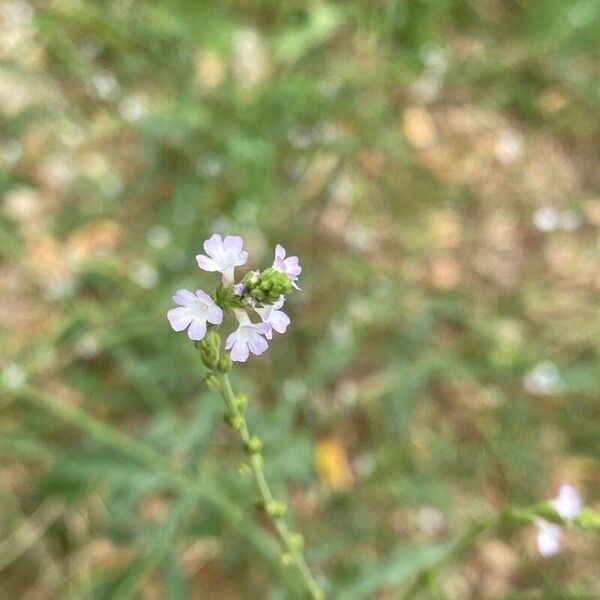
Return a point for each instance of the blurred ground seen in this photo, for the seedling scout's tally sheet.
(434, 165)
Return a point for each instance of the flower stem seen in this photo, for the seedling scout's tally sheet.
(292, 548)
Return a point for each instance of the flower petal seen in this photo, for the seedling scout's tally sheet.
(548, 538)
(213, 245)
(179, 318)
(279, 321)
(215, 314)
(239, 352)
(197, 330)
(280, 251)
(257, 345)
(230, 341)
(241, 258)
(183, 297)
(206, 264)
(233, 244)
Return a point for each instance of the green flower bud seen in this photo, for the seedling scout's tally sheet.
(224, 363)
(212, 340)
(227, 299)
(286, 559)
(244, 470)
(209, 349)
(233, 420)
(212, 383)
(297, 540)
(253, 445)
(268, 286)
(276, 509)
(241, 401)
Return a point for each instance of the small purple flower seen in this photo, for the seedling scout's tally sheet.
(276, 319)
(223, 255)
(194, 311)
(548, 538)
(248, 337)
(290, 265)
(238, 289)
(568, 502)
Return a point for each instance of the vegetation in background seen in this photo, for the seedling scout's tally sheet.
(434, 166)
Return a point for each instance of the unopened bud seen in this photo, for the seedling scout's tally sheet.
(286, 559)
(253, 445)
(297, 540)
(241, 400)
(244, 470)
(233, 420)
(212, 383)
(224, 363)
(276, 509)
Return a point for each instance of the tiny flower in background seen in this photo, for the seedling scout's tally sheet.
(568, 502)
(223, 255)
(248, 337)
(194, 311)
(290, 265)
(276, 319)
(548, 538)
(543, 380)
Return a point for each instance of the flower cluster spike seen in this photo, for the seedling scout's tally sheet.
(261, 293)
(567, 505)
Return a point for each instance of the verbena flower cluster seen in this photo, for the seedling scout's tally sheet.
(259, 292)
(567, 505)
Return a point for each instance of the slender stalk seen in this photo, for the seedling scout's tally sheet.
(268, 502)
(461, 545)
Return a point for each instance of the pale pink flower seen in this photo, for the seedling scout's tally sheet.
(193, 312)
(276, 319)
(223, 255)
(290, 265)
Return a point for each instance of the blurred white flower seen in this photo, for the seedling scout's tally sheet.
(434, 57)
(568, 502)
(360, 238)
(18, 13)
(341, 189)
(543, 380)
(250, 60)
(145, 275)
(158, 237)
(87, 346)
(13, 376)
(103, 86)
(546, 218)
(346, 392)
(341, 332)
(209, 166)
(508, 147)
(132, 108)
(21, 203)
(430, 520)
(548, 537)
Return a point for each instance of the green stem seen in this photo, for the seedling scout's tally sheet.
(293, 550)
(461, 545)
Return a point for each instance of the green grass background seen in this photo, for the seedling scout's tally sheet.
(403, 150)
